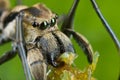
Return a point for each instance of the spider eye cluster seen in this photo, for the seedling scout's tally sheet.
(45, 24)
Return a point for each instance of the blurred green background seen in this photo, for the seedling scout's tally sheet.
(87, 23)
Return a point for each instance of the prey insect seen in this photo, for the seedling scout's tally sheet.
(38, 41)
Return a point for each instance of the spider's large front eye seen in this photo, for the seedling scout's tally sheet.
(53, 22)
(43, 25)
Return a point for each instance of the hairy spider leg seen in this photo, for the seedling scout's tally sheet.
(68, 29)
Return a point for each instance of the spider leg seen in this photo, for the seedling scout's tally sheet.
(67, 28)
(68, 21)
(106, 25)
(8, 56)
(83, 43)
(61, 18)
(21, 45)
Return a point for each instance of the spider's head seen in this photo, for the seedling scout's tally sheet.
(38, 20)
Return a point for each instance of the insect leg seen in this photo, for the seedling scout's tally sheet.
(106, 25)
(83, 43)
(68, 21)
(7, 56)
(21, 46)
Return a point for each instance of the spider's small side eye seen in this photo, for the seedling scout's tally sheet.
(56, 16)
(53, 22)
(35, 24)
(43, 25)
